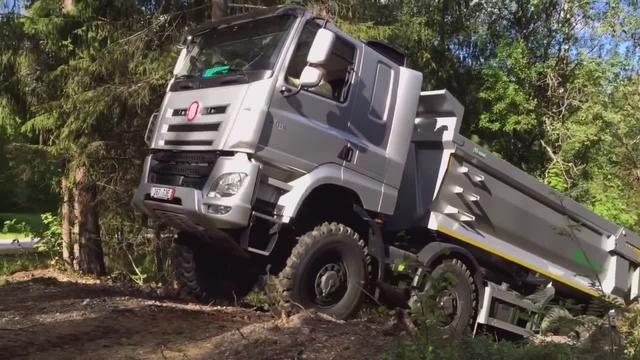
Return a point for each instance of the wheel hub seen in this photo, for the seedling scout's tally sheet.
(448, 303)
(328, 280)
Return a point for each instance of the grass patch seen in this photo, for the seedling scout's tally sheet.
(11, 236)
(33, 220)
(257, 299)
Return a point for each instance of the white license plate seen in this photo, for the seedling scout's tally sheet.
(162, 193)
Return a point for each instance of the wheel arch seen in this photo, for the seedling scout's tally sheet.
(324, 203)
(329, 202)
(436, 252)
(368, 192)
(339, 204)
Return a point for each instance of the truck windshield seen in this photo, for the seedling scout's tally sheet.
(237, 48)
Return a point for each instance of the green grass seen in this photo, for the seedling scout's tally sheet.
(33, 220)
(11, 236)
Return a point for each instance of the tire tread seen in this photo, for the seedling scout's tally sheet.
(305, 241)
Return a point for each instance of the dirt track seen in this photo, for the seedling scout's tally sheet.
(48, 315)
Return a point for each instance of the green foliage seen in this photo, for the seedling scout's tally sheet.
(258, 300)
(50, 237)
(13, 226)
(432, 345)
(29, 180)
(47, 229)
(630, 327)
(514, 107)
(32, 220)
(77, 89)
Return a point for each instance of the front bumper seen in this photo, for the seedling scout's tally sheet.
(190, 208)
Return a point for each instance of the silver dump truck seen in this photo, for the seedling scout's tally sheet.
(285, 147)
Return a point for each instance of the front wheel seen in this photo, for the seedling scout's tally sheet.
(209, 275)
(326, 271)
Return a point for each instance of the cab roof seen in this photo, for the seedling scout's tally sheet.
(255, 14)
(383, 48)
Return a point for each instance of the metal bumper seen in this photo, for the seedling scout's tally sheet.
(190, 208)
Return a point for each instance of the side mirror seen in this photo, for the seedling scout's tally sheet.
(310, 77)
(321, 47)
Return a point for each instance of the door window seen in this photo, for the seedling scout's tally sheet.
(337, 69)
(381, 90)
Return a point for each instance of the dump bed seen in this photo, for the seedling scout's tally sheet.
(462, 190)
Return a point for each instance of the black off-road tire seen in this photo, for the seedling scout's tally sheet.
(187, 273)
(206, 276)
(331, 242)
(466, 294)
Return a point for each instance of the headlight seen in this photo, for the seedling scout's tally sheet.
(227, 185)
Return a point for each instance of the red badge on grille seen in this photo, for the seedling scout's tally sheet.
(192, 112)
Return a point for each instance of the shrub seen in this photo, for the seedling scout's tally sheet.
(15, 226)
(51, 236)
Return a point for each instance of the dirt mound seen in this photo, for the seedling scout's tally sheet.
(47, 314)
(302, 336)
(51, 273)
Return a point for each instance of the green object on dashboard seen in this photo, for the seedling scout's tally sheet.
(216, 70)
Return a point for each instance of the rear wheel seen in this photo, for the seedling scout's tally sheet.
(450, 295)
(326, 271)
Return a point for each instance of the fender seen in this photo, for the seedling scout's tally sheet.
(437, 250)
(373, 195)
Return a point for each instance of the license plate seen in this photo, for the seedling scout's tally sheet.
(162, 193)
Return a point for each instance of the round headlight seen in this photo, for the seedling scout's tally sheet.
(227, 185)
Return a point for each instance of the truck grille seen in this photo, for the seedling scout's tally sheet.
(198, 134)
(187, 169)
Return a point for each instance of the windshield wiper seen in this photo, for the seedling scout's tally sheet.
(187, 84)
(236, 71)
(185, 77)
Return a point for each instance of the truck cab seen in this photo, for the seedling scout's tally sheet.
(238, 129)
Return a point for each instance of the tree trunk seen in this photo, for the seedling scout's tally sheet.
(68, 6)
(218, 9)
(90, 258)
(68, 253)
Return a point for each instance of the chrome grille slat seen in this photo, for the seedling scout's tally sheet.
(188, 142)
(192, 127)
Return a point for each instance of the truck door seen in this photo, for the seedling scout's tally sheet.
(310, 128)
(371, 122)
